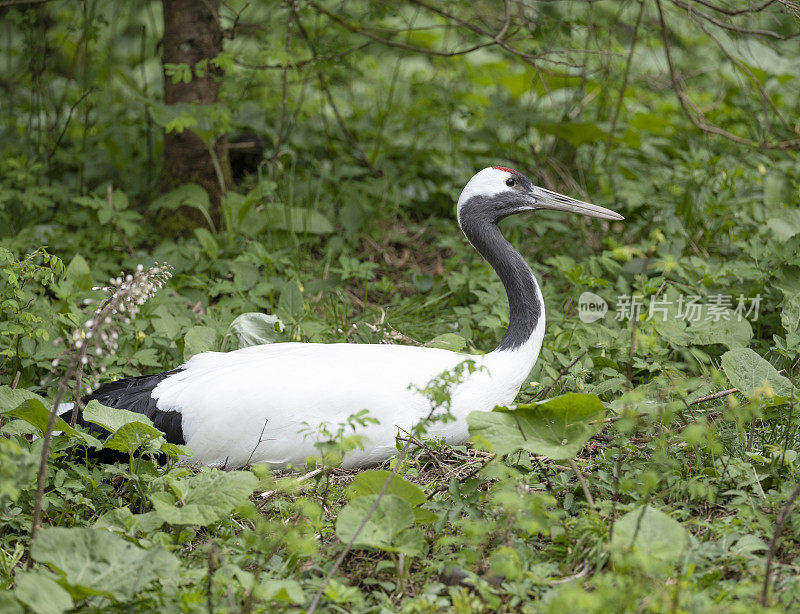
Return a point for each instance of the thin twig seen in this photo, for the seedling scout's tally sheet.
(731, 12)
(418, 443)
(269, 493)
(258, 443)
(714, 396)
(581, 479)
(612, 130)
(727, 26)
(301, 63)
(52, 152)
(758, 482)
(331, 102)
(561, 374)
(773, 545)
(461, 480)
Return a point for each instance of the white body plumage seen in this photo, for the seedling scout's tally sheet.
(288, 390)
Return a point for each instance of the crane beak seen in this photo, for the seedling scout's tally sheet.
(545, 199)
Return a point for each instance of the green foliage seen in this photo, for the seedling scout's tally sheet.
(96, 562)
(557, 428)
(203, 499)
(649, 539)
(610, 486)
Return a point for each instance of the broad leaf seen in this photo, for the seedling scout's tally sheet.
(295, 219)
(753, 375)
(79, 274)
(732, 332)
(188, 195)
(134, 435)
(649, 539)
(448, 341)
(97, 562)
(41, 593)
(290, 302)
(205, 498)
(790, 312)
(383, 528)
(255, 329)
(199, 339)
(112, 418)
(371, 483)
(121, 519)
(288, 591)
(11, 398)
(34, 412)
(557, 428)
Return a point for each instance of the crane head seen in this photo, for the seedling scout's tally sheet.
(497, 192)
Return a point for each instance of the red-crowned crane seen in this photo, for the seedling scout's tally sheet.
(263, 404)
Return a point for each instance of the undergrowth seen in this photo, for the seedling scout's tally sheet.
(651, 460)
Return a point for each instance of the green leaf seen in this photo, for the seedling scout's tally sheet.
(11, 398)
(206, 498)
(790, 312)
(785, 226)
(557, 428)
(134, 435)
(391, 516)
(41, 593)
(79, 274)
(290, 301)
(235, 207)
(371, 483)
(296, 219)
(288, 591)
(199, 339)
(10, 605)
(448, 341)
(255, 329)
(754, 376)
(34, 412)
(207, 242)
(97, 562)
(121, 519)
(245, 275)
(410, 542)
(775, 185)
(577, 133)
(188, 195)
(732, 332)
(649, 539)
(112, 418)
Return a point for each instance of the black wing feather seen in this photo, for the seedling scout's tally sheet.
(135, 394)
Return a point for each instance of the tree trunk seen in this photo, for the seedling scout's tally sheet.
(192, 34)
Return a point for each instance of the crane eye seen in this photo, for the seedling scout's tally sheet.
(511, 182)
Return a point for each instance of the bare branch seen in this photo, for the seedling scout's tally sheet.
(302, 63)
(732, 12)
(694, 114)
(612, 130)
(727, 26)
(391, 43)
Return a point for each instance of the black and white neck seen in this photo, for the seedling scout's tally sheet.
(491, 195)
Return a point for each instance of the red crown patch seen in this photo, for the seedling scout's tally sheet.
(505, 168)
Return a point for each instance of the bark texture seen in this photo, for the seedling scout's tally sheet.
(192, 33)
